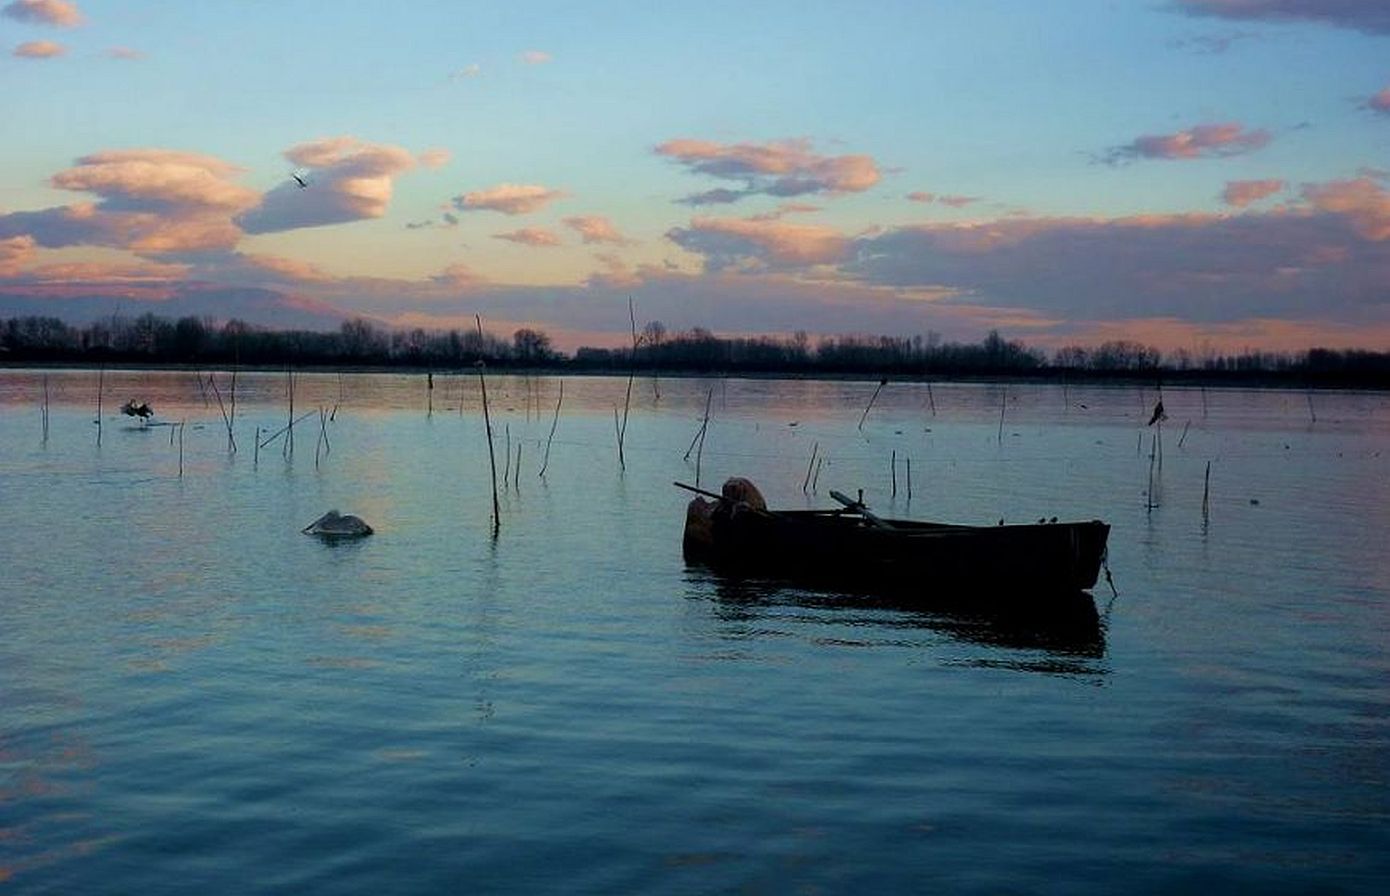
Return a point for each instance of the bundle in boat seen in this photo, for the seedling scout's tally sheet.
(851, 546)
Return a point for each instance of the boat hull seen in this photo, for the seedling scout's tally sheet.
(909, 557)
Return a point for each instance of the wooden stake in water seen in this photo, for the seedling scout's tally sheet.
(909, 479)
(226, 421)
(872, 398)
(1206, 494)
(1311, 413)
(1149, 501)
(1003, 402)
(1183, 437)
(287, 447)
(507, 451)
(516, 480)
(101, 384)
(809, 464)
(931, 400)
(181, 425)
(815, 479)
(256, 456)
(429, 390)
(45, 409)
(893, 469)
(487, 423)
(553, 423)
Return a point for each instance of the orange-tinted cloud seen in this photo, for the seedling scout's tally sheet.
(776, 168)
(435, 158)
(952, 200)
(1241, 193)
(1364, 201)
(1380, 102)
(536, 237)
(749, 244)
(349, 180)
(149, 200)
(596, 229)
(1203, 141)
(59, 13)
(509, 199)
(1371, 16)
(39, 49)
(459, 277)
(126, 54)
(14, 251)
(919, 196)
(535, 57)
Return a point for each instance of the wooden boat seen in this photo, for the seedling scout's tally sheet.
(853, 546)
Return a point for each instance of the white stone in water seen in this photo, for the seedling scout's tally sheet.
(336, 525)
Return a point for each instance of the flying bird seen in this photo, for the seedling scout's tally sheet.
(299, 180)
(1159, 414)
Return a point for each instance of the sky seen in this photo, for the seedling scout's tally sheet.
(1193, 174)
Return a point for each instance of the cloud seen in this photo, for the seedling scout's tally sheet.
(1241, 193)
(776, 168)
(745, 244)
(125, 53)
(919, 196)
(58, 13)
(535, 57)
(14, 252)
(509, 199)
(1211, 44)
(1365, 203)
(349, 180)
(786, 208)
(459, 277)
(1370, 16)
(149, 200)
(472, 70)
(952, 200)
(1328, 259)
(39, 49)
(536, 237)
(596, 229)
(1203, 141)
(435, 158)
(1380, 102)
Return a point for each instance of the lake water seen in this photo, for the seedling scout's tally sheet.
(195, 697)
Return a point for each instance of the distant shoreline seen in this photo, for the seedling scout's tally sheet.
(1255, 379)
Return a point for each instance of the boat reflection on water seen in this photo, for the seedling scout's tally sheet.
(1066, 627)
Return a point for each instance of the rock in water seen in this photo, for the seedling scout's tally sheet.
(336, 525)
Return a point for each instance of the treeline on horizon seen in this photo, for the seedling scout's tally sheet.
(149, 339)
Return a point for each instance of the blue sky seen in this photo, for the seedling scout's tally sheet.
(1083, 149)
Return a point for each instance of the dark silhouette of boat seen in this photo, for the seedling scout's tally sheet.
(852, 547)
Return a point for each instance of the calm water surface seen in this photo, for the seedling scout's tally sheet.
(194, 697)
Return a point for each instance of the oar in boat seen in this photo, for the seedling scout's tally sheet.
(859, 508)
(723, 500)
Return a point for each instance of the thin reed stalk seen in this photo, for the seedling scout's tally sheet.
(287, 447)
(1003, 402)
(516, 480)
(256, 455)
(553, 423)
(101, 385)
(893, 468)
(1206, 494)
(287, 428)
(182, 423)
(231, 442)
(1149, 502)
(1183, 438)
(815, 449)
(872, 398)
(45, 409)
(815, 479)
(704, 424)
(1311, 413)
(931, 400)
(909, 479)
(507, 452)
(487, 423)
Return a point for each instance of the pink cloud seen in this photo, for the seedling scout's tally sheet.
(58, 13)
(536, 237)
(14, 251)
(745, 243)
(957, 201)
(596, 229)
(1370, 16)
(776, 168)
(509, 199)
(349, 180)
(1241, 193)
(1198, 142)
(125, 53)
(919, 196)
(1364, 201)
(39, 49)
(435, 158)
(1380, 102)
(535, 57)
(459, 277)
(149, 200)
